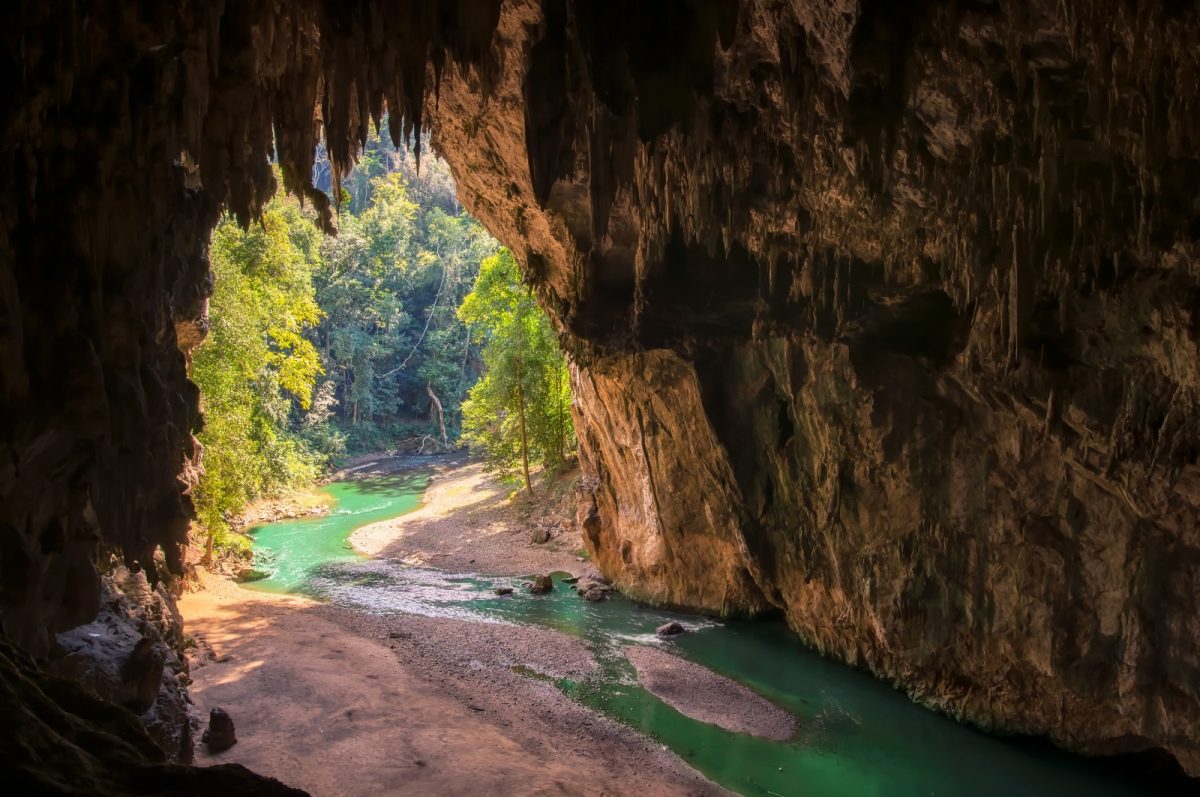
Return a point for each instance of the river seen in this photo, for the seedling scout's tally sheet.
(856, 736)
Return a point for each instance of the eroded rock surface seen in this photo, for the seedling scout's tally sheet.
(132, 654)
(882, 314)
(59, 738)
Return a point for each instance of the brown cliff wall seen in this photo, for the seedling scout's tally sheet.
(126, 131)
(883, 314)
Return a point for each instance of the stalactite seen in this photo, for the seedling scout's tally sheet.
(926, 175)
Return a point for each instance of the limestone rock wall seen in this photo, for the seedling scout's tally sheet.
(883, 315)
(127, 130)
(132, 654)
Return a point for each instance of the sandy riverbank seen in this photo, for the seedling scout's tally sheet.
(343, 703)
(468, 524)
(702, 694)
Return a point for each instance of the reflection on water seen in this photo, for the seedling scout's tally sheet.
(856, 736)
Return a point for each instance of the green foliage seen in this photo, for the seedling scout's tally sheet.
(389, 284)
(322, 347)
(519, 411)
(256, 369)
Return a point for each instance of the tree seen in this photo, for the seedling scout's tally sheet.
(396, 352)
(256, 367)
(373, 309)
(518, 411)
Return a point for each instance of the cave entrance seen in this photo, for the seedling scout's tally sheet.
(676, 180)
(409, 334)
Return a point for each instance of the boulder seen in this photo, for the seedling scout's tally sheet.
(541, 585)
(670, 629)
(591, 583)
(220, 735)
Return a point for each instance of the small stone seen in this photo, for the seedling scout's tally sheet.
(669, 629)
(571, 580)
(504, 590)
(219, 736)
(541, 584)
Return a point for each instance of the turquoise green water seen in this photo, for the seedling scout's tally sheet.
(292, 551)
(856, 737)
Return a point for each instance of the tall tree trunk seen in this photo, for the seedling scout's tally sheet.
(562, 428)
(437, 405)
(521, 413)
(466, 356)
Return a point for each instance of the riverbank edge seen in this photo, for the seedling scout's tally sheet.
(220, 590)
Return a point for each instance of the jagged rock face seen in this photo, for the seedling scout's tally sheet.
(883, 314)
(132, 654)
(126, 131)
(58, 738)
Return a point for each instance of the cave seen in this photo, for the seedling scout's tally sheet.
(882, 320)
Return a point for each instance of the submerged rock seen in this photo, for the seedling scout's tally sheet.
(247, 574)
(220, 735)
(504, 590)
(669, 629)
(593, 587)
(541, 585)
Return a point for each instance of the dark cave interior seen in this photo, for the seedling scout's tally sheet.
(907, 299)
